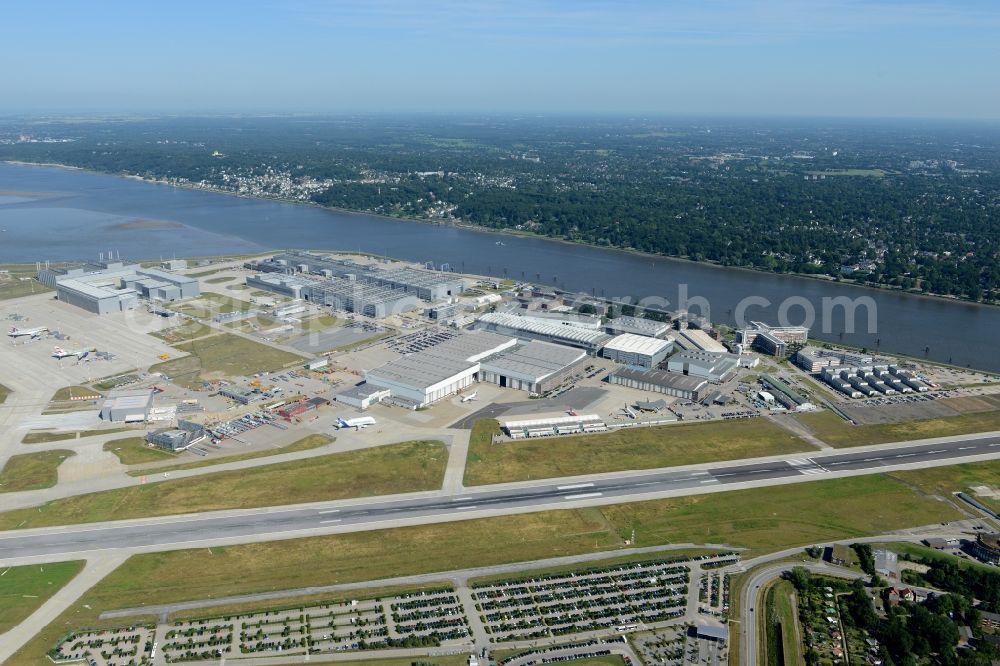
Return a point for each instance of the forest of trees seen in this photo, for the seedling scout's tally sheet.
(909, 207)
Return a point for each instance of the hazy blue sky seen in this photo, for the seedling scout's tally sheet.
(802, 57)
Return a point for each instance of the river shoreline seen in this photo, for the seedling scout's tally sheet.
(467, 226)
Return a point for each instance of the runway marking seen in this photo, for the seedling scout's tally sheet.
(464, 508)
(575, 486)
(709, 481)
(965, 448)
(647, 483)
(582, 496)
(329, 511)
(905, 455)
(699, 473)
(460, 499)
(324, 522)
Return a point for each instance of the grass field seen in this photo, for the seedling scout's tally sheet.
(70, 392)
(189, 330)
(624, 449)
(764, 520)
(223, 304)
(135, 451)
(320, 323)
(46, 436)
(32, 471)
(20, 281)
(385, 470)
(304, 444)
(838, 433)
(781, 616)
(944, 481)
(4, 392)
(223, 355)
(24, 589)
(219, 280)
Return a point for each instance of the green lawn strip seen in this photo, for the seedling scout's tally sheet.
(781, 615)
(46, 436)
(220, 279)
(189, 330)
(70, 392)
(24, 589)
(226, 355)
(32, 471)
(135, 451)
(917, 552)
(680, 554)
(624, 449)
(763, 519)
(838, 433)
(386, 470)
(304, 444)
(4, 392)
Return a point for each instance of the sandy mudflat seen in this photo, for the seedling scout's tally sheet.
(140, 223)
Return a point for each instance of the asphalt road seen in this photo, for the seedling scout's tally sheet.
(372, 513)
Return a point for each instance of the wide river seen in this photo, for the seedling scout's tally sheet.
(61, 214)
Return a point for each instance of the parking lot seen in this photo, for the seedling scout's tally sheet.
(108, 647)
(621, 598)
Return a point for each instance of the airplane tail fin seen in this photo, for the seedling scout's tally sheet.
(342, 423)
(59, 350)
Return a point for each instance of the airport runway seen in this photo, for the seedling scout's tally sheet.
(372, 513)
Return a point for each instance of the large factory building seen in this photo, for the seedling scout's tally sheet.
(637, 350)
(545, 330)
(112, 286)
(418, 379)
(535, 367)
(424, 284)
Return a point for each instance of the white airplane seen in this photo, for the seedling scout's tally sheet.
(16, 332)
(470, 397)
(80, 353)
(358, 423)
(629, 412)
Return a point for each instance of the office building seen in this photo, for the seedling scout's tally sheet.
(773, 340)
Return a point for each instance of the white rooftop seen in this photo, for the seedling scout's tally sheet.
(544, 327)
(630, 343)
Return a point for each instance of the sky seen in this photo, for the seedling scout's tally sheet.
(878, 58)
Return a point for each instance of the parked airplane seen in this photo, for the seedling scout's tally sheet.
(470, 397)
(80, 353)
(629, 412)
(16, 332)
(358, 423)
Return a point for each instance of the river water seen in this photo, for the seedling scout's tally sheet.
(61, 214)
